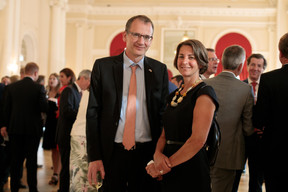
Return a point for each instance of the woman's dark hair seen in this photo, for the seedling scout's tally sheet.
(200, 54)
(69, 73)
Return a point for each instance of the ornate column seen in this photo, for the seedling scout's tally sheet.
(11, 44)
(2, 4)
(57, 38)
(79, 47)
(281, 23)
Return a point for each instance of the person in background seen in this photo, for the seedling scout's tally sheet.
(5, 156)
(177, 80)
(212, 65)
(6, 80)
(78, 154)
(14, 78)
(49, 143)
(4, 153)
(270, 115)
(41, 80)
(22, 72)
(234, 118)
(67, 77)
(69, 104)
(24, 102)
(180, 156)
(124, 115)
(256, 64)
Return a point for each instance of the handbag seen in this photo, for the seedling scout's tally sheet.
(213, 140)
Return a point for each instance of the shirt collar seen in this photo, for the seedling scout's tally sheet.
(250, 81)
(128, 62)
(230, 72)
(78, 87)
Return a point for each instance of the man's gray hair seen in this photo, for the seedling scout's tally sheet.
(233, 56)
(86, 73)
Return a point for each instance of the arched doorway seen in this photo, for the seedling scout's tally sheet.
(233, 39)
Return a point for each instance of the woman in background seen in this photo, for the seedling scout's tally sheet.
(67, 77)
(50, 125)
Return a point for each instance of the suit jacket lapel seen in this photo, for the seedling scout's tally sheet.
(118, 78)
(148, 74)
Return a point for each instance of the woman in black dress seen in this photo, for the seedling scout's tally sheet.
(180, 159)
(50, 125)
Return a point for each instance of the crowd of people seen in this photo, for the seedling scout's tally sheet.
(124, 123)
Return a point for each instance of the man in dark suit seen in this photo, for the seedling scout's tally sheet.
(68, 108)
(124, 167)
(24, 102)
(256, 64)
(271, 116)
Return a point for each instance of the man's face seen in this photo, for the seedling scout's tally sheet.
(85, 83)
(213, 63)
(255, 68)
(136, 46)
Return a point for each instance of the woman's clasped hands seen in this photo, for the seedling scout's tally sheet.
(159, 166)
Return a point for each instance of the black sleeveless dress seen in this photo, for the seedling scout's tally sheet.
(194, 174)
(49, 141)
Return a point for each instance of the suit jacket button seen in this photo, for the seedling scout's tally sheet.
(116, 124)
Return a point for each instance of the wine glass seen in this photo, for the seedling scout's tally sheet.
(99, 181)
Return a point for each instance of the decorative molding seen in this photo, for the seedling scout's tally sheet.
(2, 4)
(174, 23)
(60, 3)
(176, 11)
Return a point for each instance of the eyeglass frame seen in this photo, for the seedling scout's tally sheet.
(214, 59)
(147, 38)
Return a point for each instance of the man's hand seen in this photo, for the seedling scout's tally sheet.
(94, 167)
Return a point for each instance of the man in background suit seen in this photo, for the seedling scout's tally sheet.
(234, 117)
(124, 167)
(256, 64)
(213, 62)
(271, 117)
(24, 102)
(69, 104)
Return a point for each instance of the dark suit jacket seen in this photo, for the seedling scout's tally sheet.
(105, 101)
(68, 109)
(24, 101)
(271, 113)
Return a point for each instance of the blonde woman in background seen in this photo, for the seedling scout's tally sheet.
(50, 125)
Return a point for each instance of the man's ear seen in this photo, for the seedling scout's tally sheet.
(239, 68)
(124, 36)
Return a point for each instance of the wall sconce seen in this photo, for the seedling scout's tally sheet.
(185, 36)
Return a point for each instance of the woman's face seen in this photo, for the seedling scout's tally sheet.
(64, 79)
(186, 62)
(53, 81)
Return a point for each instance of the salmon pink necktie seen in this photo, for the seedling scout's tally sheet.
(129, 128)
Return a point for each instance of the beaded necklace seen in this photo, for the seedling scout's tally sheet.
(175, 101)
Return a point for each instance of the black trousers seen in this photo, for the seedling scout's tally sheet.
(127, 173)
(24, 147)
(253, 147)
(64, 174)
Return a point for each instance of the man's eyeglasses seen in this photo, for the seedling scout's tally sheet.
(214, 59)
(136, 36)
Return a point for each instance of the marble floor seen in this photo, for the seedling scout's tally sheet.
(44, 174)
